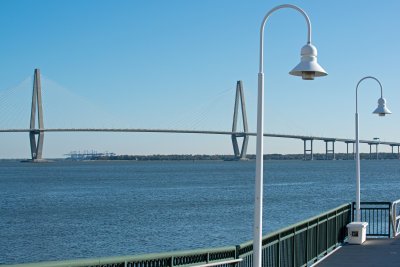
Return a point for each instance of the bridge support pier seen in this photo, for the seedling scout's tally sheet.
(239, 154)
(376, 150)
(398, 151)
(347, 144)
(36, 143)
(327, 150)
(308, 150)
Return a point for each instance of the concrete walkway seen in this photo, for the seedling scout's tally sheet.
(373, 252)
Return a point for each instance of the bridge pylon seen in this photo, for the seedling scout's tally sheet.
(239, 154)
(36, 143)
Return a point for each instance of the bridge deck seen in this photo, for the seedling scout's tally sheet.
(373, 252)
(239, 134)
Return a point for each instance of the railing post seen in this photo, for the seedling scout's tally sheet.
(393, 219)
(327, 233)
(307, 232)
(279, 250)
(237, 255)
(389, 220)
(336, 230)
(317, 238)
(342, 235)
(294, 247)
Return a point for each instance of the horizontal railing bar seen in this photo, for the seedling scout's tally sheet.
(376, 203)
(376, 209)
(130, 258)
(219, 263)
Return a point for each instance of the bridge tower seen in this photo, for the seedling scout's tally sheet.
(239, 154)
(36, 143)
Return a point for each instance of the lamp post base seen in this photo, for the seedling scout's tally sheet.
(357, 232)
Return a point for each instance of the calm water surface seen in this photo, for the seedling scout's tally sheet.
(70, 210)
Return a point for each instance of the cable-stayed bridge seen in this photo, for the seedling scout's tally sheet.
(37, 130)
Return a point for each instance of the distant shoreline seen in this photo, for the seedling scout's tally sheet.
(250, 157)
(317, 156)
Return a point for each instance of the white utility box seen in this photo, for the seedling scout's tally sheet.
(357, 232)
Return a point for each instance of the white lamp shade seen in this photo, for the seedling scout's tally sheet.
(382, 110)
(308, 68)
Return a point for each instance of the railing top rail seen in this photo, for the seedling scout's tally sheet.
(129, 258)
(375, 203)
(396, 202)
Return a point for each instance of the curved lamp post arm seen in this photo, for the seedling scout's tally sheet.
(367, 77)
(263, 25)
(309, 55)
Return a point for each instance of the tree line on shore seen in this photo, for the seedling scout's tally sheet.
(317, 156)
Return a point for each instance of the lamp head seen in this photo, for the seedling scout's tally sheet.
(308, 68)
(382, 110)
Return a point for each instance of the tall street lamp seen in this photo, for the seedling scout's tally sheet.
(308, 68)
(381, 110)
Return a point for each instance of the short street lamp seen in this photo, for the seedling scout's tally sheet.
(308, 68)
(381, 110)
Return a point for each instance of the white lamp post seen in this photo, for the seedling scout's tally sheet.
(308, 68)
(381, 110)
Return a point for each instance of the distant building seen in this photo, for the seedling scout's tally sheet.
(86, 155)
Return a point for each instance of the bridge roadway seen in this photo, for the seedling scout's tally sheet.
(238, 134)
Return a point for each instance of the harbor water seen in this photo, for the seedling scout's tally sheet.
(88, 209)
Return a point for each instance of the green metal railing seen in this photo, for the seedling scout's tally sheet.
(297, 245)
(169, 259)
(378, 216)
(302, 243)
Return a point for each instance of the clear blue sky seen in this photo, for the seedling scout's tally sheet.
(154, 64)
